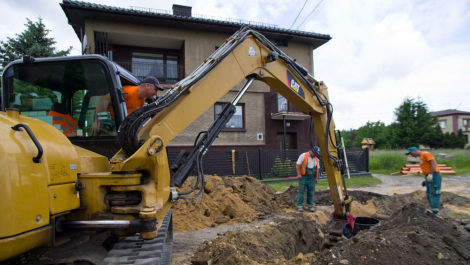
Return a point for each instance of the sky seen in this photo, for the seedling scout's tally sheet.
(381, 52)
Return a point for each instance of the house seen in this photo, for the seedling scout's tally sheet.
(453, 120)
(171, 44)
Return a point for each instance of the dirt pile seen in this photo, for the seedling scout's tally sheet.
(370, 203)
(280, 240)
(224, 201)
(411, 236)
(408, 235)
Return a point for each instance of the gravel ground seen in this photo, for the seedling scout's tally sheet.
(391, 184)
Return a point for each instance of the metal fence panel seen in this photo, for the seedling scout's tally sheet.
(268, 164)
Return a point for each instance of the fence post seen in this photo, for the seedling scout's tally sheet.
(366, 162)
(260, 161)
(345, 157)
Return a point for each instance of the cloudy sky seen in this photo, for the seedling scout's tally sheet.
(381, 51)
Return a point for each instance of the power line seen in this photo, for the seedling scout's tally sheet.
(309, 14)
(298, 14)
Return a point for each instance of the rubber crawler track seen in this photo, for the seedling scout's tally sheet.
(133, 250)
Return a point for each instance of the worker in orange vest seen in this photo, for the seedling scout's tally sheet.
(432, 176)
(133, 95)
(307, 167)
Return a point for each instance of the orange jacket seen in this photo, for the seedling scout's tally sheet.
(303, 166)
(425, 164)
(68, 125)
(133, 101)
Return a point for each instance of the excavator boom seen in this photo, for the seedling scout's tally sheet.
(247, 55)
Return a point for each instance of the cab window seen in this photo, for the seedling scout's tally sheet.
(63, 94)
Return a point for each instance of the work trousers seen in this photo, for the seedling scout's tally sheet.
(433, 192)
(307, 182)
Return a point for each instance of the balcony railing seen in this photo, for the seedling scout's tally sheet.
(166, 73)
(279, 104)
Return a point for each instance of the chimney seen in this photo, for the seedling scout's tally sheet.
(184, 11)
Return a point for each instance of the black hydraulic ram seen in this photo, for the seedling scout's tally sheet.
(206, 141)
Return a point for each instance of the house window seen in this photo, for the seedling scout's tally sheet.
(282, 104)
(162, 66)
(443, 124)
(466, 125)
(237, 121)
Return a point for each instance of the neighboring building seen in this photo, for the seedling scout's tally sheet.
(171, 44)
(453, 120)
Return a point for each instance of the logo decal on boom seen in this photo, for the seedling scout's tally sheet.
(252, 52)
(294, 85)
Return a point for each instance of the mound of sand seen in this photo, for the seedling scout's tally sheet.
(409, 236)
(226, 200)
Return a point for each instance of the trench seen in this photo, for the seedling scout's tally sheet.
(290, 237)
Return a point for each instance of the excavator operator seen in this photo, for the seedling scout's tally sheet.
(133, 95)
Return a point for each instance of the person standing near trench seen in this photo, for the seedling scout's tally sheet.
(432, 180)
(307, 167)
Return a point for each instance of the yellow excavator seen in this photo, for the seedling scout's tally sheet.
(55, 187)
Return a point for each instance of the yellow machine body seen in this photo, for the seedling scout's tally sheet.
(32, 192)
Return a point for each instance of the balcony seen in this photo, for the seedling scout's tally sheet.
(166, 73)
(281, 108)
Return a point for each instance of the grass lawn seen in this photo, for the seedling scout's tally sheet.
(391, 161)
(354, 182)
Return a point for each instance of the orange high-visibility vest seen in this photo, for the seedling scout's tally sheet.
(68, 125)
(303, 166)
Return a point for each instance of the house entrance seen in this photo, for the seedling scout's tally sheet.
(291, 141)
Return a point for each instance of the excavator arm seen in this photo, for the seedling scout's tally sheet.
(247, 55)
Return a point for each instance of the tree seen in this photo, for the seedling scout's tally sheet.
(414, 125)
(378, 131)
(451, 140)
(437, 140)
(33, 41)
(348, 136)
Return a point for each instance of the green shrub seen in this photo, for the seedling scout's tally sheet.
(283, 169)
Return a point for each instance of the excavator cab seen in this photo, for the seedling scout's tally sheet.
(64, 92)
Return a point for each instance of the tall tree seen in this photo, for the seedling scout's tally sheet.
(414, 125)
(436, 140)
(33, 41)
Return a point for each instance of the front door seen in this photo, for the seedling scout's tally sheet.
(291, 141)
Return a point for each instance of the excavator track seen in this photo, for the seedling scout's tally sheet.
(134, 250)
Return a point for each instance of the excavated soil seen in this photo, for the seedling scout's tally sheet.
(224, 201)
(411, 236)
(407, 233)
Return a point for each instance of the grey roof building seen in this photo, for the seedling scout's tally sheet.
(171, 44)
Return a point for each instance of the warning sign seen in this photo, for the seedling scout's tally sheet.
(252, 52)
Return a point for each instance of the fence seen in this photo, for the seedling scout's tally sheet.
(269, 164)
